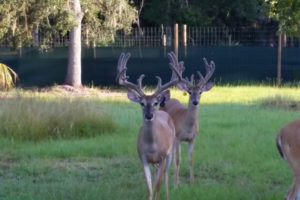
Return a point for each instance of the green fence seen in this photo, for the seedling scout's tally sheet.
(233, 64)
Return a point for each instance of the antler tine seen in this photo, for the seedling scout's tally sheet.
(122, 77)
(192, 79)
(139, 81)
(158, 87)
(210, 69)
(177, 69)
(121, 69)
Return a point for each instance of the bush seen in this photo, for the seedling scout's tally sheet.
(38, 119)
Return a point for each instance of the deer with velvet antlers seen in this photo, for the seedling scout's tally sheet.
(186, 118)
(288, 144)
(157, 133)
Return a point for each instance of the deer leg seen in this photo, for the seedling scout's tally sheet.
(157, 170)
(159, 173)
(294, 192)
(177, 159)
(147, 173)
(168, 162)
(191, 162)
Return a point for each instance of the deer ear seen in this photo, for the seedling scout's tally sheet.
(133, 96)
(163, 97)
(207, 86)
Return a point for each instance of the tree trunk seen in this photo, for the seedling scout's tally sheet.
(74, 58)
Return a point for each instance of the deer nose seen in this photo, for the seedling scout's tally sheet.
(195, 103)
(148, 116)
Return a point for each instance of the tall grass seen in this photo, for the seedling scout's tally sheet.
(39, 119)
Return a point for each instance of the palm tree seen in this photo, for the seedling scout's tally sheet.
(8, 77)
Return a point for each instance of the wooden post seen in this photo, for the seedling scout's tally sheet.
(164, 40)
(164, 43)
(176, 39)
(184, 35)
(279, 51)
(184, 39)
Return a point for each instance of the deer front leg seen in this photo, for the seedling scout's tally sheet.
(147, 173)
(191, 162)
(158, 174)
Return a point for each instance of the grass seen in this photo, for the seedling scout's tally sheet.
(235, 154)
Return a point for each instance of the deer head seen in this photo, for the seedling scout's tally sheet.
(135, 93)
(195, 88)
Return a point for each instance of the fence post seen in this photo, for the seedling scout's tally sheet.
(184, 35)
(279, 51)
(176, 39)
(184, 39)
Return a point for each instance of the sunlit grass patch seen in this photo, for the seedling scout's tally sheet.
(36, 119)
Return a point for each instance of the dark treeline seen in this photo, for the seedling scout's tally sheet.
(229, 13)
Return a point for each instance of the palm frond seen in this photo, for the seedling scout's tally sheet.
(8, 77)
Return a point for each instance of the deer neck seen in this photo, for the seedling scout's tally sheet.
(148, 131)
(192, 114)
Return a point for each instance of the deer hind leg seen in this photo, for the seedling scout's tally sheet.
(168, 162)
(176, 160)
(191, 161)
(294, 192)
(147, 173)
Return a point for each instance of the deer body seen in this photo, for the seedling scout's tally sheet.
(288, 144)
(156, 137)
(157, 133)
(185, 119)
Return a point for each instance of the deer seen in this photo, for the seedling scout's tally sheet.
(288, 145)
(184, 118)
(157, 133)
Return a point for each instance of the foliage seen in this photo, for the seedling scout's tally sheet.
(201, 12)
(19, 19)
(8, 77)
(105, 17)
(287, 12)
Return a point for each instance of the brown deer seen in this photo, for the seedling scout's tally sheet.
(157, 133)
(287, 141)
(186, 118)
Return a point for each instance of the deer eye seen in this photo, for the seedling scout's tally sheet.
(142, 104)
(155, 104)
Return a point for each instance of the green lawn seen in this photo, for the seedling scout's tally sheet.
(235, 154)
